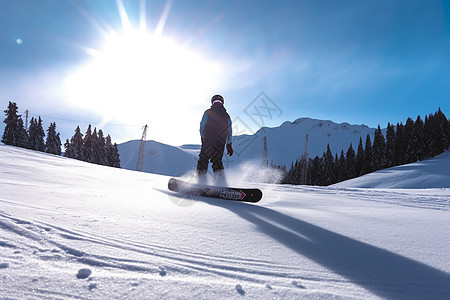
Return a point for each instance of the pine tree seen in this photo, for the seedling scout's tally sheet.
(95, 147)
(36, 135)
(69, 149)
(53, 142)
(112, 153)
(22, 136)
(75, 148)
(359, 164)
(329, 167)
(368, 164)
(115, 157)
(351, 162)
(40, 136)
(14, 133)
(420, 134)
(379, 150)
(102, 151)
(412, 149)
(88, 151)
(400, 144)
(390, 146)
(341, 168)
(316, 171)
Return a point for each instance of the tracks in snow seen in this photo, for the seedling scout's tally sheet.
(55, 243)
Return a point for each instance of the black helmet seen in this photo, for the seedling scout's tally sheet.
(217, 97)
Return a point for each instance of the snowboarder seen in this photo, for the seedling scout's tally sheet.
(216, 133)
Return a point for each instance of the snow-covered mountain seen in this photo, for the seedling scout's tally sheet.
(285, 144)
(74, 230)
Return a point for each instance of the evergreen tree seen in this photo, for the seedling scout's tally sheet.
(40, 136)
(115, 157)
(316, 171)
(341, 168)
(95, 147)
(53, 142)
(420, 135)
(412, 149)
(329, 167)
(351, 162)
(368, 156)
(441, 132)
(112, 153)
(36, 135)
(88, 151)
(390, 146)
(102, 151)
(32, 133)
(22, 136)
(379, 150)
(14, 133)
(359, 164)
(69, 149)
(75, 149)
(400, 144)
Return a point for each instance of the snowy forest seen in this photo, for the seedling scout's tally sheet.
(403, 144)
(93, 148)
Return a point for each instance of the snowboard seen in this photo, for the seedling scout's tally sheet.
(219, 192)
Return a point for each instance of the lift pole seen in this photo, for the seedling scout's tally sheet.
(140, 161)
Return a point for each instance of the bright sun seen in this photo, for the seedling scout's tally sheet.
(140, 77)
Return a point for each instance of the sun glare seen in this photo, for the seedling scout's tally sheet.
(141, 76)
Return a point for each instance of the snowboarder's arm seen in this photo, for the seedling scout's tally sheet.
(203, 124)
(230, 131)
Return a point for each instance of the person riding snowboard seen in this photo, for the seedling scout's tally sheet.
(216, 133)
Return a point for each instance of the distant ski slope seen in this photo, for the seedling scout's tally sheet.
(431, 173)
(69, 229)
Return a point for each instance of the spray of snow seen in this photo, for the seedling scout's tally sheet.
(253, 171)
(246, 172)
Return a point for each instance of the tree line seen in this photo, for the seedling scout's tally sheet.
(15, 133)
(403, 144)
(94, 147)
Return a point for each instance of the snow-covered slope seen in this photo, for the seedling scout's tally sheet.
(158, 158)
(431, 173)
(285, 144)
(73, 230)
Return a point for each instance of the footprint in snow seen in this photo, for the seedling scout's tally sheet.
(240, 290)
(162, 271)
(4, 265)
(298, 284)
(83, 273)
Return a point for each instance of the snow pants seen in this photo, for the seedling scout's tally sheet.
(212, 150)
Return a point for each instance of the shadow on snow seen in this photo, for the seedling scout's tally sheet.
(380, 271)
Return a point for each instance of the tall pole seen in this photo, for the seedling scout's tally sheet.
(140, 161)
(26, 119)
(265, 154)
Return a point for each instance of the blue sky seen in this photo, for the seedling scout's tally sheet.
(136, 62)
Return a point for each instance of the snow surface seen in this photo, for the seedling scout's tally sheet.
(431, 173)
(70, 229)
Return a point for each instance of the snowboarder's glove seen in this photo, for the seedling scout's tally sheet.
(229, 149)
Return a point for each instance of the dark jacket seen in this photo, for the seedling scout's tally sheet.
(216, 124)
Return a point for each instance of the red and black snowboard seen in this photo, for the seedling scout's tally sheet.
(225, 193)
